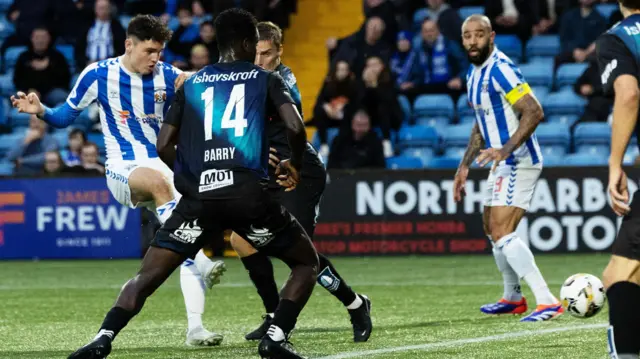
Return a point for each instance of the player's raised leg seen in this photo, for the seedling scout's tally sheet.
(149, 185)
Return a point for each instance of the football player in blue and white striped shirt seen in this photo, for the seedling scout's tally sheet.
(133, 92)
(507, 114)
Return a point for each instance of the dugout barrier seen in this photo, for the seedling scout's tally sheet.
(362, 213)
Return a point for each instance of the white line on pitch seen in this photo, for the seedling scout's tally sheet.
(446, 344)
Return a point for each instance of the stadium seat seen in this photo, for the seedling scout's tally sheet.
(568, 120)
(68, 52)
(6, 84)
(606, 10)
(331, 134)
(434, 105)
(554, 138)
(455, 152)
(546, 60)
(463, 108)
(630, 155)
(467, 119)
(538, 74)
(592, 133)
(552, 160)
(563, 103)
(6, 28)
(418, 136)
(568, 74)
(423, 153)
(540, 92)
(467, 11)
(444, 163)
(439, 123)
(6, 168)
(510, 45)
(9, 141)
(594, 150)
(404, 162)
(405, 105)
(18, 119)
(11, 56)
(457, 135)
(543, 45)
(583, 159)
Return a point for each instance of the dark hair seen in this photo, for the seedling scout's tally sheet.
(385, 77)
(269, 31)
(235, 25)
(148, 27)
(630, 4)
(207, 23)
(91, 144)
(77, 131)
(41, 27)
(184, 8)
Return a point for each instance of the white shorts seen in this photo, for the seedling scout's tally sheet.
(512, 185)
(118, 172)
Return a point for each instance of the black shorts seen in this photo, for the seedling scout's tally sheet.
(255, 215)
(627, 244)
(303, 202)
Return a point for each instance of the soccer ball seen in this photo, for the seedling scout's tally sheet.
(582, 295)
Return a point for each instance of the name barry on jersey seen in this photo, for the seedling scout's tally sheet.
(219, 154)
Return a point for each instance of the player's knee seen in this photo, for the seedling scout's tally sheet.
(160, 189)
(131, 296)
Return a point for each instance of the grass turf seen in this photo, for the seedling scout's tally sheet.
(48, 309)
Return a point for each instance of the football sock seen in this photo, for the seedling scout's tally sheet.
(356, 303)
(521, 260)
(261, 273)
(164, 211)
(202, 262)
(510, 279)
(193, 291)
(284, 319)
(624, 320)
(330, 279)
(116, 319)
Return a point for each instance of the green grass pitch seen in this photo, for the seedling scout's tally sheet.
(423, 307)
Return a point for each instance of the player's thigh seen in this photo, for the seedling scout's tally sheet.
(621, 269)
(242, 247)
(304, 202)
(625, 262)
(136, 183)
(187, 229)
(504, 220)
(150, 184)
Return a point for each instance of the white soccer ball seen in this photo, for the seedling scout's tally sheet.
(582, 295)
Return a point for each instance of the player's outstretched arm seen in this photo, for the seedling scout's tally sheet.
(531, 115)
(61, 116)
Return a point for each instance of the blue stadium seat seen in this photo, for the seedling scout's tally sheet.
(563, 103)
(6, 28)
(457, 135)
(11, 56)
(467, 120)
(552, 160)
(554, 138)
(583, 159)
(125, 20)
(467, 11)
(6, 84)
(594, 150)
(405, 105)
(18, 119)
(68, 52)
(538, 74)
(331, 134)
(6, 168)
(423, 153)
(434, 105)
(606, 10)
(404, 162)
(439, 123)
(630, 155)
(418, 136)
(568, 120)
(444, 163)
(568, 74)
(543, 45)
(546, 60)
(9, 141)
(455, 152)
(540, 92)
(463, 108)
(510, 45)
(592, 133)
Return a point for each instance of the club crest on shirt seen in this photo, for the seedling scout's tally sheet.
(160, 96)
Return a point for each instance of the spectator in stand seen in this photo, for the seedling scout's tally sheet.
(334, 102)
(183, 38)
(101, 39)
(207, 38)
(447, 19)
(356, 49)
(71, 154)
(357, 147)
(385, 10)
(43, 69)
(89, 161)
(515, 17)
(380, 99)
(53, 164)
(402, 59)
(550, 11)
(199, 58)
(589, 86)
(579, 29)
(28, 156)
(257, 7)
(439, 65)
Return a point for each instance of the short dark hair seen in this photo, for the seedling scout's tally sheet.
(91, 144)
(631, 4)
(77, 131)
(235, 25)
(148, 27)
(207, 23)
(269, 31)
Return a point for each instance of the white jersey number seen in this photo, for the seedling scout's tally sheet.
(236, 101)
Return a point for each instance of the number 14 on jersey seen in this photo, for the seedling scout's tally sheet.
(236, 101)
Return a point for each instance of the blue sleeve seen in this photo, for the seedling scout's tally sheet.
(61, 116)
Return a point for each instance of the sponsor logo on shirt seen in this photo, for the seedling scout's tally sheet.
(214, 179)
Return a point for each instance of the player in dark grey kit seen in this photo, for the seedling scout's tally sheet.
(618, 53)
(303, 203)
(218, 122)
